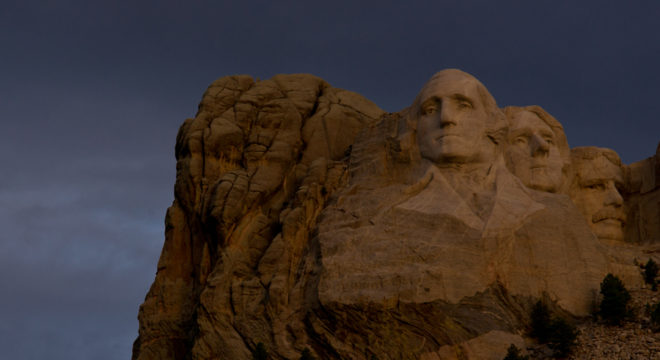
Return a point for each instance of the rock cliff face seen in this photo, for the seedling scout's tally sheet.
(306, 217)
(643, 200)
(254, 169)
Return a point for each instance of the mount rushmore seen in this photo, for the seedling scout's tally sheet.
(305, 217)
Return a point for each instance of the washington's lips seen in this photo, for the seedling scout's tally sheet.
(445, 135)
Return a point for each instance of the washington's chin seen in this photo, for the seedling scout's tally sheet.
(452, 146)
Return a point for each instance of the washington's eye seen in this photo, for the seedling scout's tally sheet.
(550, 141)
(428, 110)
(464, 104)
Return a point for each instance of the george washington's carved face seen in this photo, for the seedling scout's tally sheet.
(595, 192)
(452, 120)
(532, 153)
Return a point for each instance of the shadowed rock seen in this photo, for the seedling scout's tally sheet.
(642, 200)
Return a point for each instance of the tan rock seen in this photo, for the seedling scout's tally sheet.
(490, 346)
(305, 217)
(254, 168)
(459, 228)
(537, 151)
(598, 178)
(642, 201)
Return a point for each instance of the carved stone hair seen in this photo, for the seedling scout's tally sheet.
(592, 152)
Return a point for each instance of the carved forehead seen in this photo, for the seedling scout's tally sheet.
(527, 120)
(512, 112)
(597, 168)
(451, 82)
(585, 153)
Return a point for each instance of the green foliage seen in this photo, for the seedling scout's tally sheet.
(307, 355)
(655, 317)
(260, 352)
(513, 353)
(562, 338)
(614, 306)
(540, 322)
(650, 272)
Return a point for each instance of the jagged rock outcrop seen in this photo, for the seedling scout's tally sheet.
(306, 217)
(254, 168)
(643, 200)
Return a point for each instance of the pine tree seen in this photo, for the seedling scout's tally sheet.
(540, 322)
(614, 306)
(655, 317)
(307, 355)
(513, 353)
(260, 352)
(563, 338)
(650, 272)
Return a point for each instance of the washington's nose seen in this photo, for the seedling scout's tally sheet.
(539, 146)
(447, 115)
(613, 196)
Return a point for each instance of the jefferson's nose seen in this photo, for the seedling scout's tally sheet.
(613, 197)
(539, 146)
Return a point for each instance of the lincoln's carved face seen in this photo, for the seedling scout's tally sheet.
(595, 192)
(533, 153)
(452, 120)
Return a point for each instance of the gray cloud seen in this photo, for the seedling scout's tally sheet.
(76, 261)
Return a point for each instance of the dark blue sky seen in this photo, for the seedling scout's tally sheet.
(93, 92)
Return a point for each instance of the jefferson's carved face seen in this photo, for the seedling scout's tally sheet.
(596, 195)
(532, 153)
(452, 120)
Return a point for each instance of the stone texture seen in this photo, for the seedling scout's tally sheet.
(306, 217)
(490, 346)
(642, 200)
(254, 168)
(597, 190)
(633, 340)
(537, 150)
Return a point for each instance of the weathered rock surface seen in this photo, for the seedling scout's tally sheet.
(643, 200)
(254, 168)
(306, 217)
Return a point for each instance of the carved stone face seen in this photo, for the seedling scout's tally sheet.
(452, 120)
(532, 153)
(596, 194)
